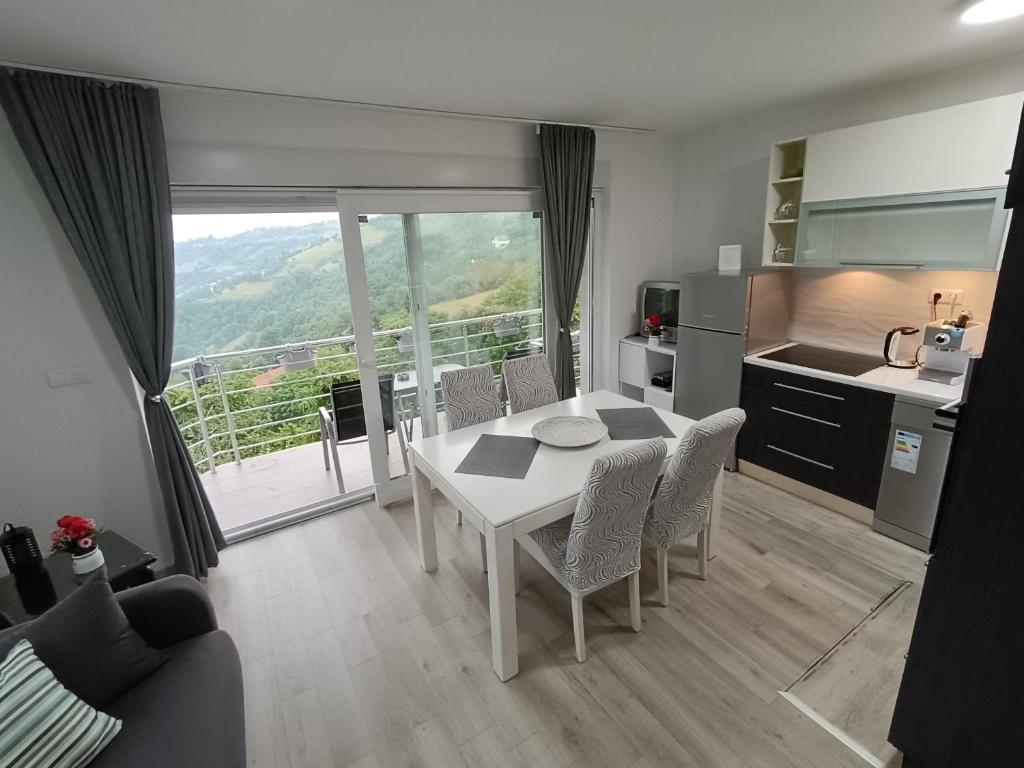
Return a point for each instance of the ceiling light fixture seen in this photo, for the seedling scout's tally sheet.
(985, 11)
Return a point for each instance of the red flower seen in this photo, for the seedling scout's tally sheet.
(71, 530)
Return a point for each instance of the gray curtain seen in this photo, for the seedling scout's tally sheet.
(97, 149)
(567, 162)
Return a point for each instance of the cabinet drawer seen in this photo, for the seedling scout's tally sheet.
(810, 437)
(849, 478)
(819, 397)
(846, 435)
(822, 433)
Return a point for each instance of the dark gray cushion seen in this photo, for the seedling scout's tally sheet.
(167, 611)
(188, 713)
(87, 643)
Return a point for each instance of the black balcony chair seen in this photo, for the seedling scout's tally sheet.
(345, 421)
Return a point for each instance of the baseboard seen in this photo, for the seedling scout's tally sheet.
(828, 500)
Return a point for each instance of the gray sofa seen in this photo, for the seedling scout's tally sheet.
(189, 712)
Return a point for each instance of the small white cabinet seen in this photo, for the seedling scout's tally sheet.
(638, 362)
(968, 146)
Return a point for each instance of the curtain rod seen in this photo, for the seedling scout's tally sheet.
(320, 99)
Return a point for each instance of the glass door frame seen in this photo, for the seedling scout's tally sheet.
(187, 200)
(352, 205)
(346, 203)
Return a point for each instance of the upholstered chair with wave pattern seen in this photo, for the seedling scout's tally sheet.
(470, 397)
(682, 504)
(600, 543)
(529, 383)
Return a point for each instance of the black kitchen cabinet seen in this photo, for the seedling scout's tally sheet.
(829, 435)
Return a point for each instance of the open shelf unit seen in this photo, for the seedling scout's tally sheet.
(638, 362)
(785, 184)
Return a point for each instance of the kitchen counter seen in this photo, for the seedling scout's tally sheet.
(898, 381)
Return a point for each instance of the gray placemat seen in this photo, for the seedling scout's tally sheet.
(500, 456)
(633, 423)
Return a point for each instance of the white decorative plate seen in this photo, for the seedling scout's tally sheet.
(569, 431)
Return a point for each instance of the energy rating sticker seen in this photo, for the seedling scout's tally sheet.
(906, 449)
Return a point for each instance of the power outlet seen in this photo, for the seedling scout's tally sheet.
(949, 298)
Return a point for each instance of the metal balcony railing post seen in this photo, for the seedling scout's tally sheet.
(201, 414)
(465, 345)
(228, 414)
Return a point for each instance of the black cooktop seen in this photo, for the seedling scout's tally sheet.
(822, 359)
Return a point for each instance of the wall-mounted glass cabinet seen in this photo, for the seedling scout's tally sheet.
(948, 230)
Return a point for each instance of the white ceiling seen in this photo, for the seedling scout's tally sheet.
(666, 64)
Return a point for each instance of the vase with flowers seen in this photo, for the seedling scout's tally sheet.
(77, 536)
(652, 324)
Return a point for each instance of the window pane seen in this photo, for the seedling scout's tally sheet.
(484, 286)
(262, 301)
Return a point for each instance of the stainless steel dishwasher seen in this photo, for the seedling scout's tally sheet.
(915, 465)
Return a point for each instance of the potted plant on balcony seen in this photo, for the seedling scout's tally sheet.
(77, 536)
(200, 370)
(405, 340)
(297, 357)
(506, 325)
(652, 324)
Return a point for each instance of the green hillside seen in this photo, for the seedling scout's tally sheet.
(276, 285)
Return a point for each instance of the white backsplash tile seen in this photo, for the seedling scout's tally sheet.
(854, 309)
(830, 329)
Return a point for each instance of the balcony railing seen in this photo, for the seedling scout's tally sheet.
(236, 405)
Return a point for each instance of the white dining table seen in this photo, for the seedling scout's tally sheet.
(504, 509)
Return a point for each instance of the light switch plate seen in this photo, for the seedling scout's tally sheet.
(66, 377)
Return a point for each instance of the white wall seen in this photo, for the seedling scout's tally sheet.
(79, 449)
(219, 140)
(722, 170)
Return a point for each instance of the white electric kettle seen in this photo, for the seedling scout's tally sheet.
(891, 346)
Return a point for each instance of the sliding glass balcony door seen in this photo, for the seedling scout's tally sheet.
(262, 340)
(461, 278)
(287, 319)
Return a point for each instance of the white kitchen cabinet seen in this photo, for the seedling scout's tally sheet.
(968, 146)
(945, 231)
(638, 362)
(923, 191)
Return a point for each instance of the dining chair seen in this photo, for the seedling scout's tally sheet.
(600, 543)
(681, 506)
(528, 382)
(470, 397)
(344, 421)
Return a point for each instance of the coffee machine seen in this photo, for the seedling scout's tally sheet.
(949, 347)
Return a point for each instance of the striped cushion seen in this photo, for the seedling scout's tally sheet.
(43, 724)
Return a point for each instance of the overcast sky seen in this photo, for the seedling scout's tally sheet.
(189, 226)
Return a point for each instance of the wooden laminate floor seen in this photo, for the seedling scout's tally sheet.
(354, 656)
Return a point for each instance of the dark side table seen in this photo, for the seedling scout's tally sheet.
(127, 564)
